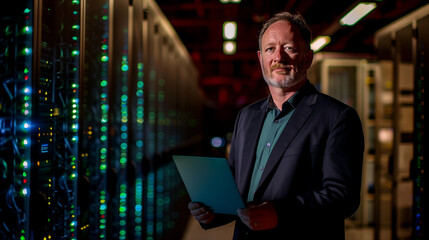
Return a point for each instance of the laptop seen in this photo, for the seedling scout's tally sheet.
(209, 180)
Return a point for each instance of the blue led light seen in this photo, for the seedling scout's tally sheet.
(218, 142)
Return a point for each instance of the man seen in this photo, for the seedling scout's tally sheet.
(297, 155)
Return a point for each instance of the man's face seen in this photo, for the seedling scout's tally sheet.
(284, 57)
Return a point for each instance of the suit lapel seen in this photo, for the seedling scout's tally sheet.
(249, 151)
(296, 122)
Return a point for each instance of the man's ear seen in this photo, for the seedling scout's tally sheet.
(260, 57)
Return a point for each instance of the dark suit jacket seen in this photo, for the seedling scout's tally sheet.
(313, 175)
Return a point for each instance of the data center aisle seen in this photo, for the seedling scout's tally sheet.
(194, 231)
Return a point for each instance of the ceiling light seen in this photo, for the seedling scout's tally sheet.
(357, 13)
(229, 30)
(319, 42)
(230, 1)
(229, 47)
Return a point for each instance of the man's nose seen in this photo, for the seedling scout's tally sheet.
(279, 55)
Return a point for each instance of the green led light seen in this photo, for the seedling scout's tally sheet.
(105, 18)
(75, 2)
(103, 83)
(75, 52)
(140, 66)
(27, 29)
(123, 160)
(124, 98)
(74, 38)
(124, 68)
(104, 47)
(104, 58)
(124, 136)
(139, 93)
(103, 166)
(27, 10)
(26, 51)
(152, 115)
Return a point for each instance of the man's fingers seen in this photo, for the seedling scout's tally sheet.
(200, 212)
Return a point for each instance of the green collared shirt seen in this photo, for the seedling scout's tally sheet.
(275, 122)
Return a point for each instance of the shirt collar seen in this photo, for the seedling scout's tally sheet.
(293, 100)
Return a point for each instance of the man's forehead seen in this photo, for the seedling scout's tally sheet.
(283, 29)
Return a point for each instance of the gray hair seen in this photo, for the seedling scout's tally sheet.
(295, 19)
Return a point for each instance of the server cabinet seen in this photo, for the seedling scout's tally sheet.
(91, 109)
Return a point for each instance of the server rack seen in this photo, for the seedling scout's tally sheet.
(95, 97)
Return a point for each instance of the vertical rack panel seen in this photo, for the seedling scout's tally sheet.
(418, 173)
(384, 145)
(16, 101)
(93, 167)
(54, 159)
(129, 202)
(137, 141)
(118, 121)
(162, 67)
(150, 35)
(403, 89)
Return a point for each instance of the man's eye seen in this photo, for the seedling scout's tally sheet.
(269, 49)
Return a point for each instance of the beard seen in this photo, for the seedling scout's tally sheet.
(287, 78)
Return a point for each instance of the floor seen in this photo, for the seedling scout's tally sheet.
(195, 232)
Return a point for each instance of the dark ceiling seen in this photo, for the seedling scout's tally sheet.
(231, 81)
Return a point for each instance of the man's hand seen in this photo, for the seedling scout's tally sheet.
(201, 213)
(259, 217)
